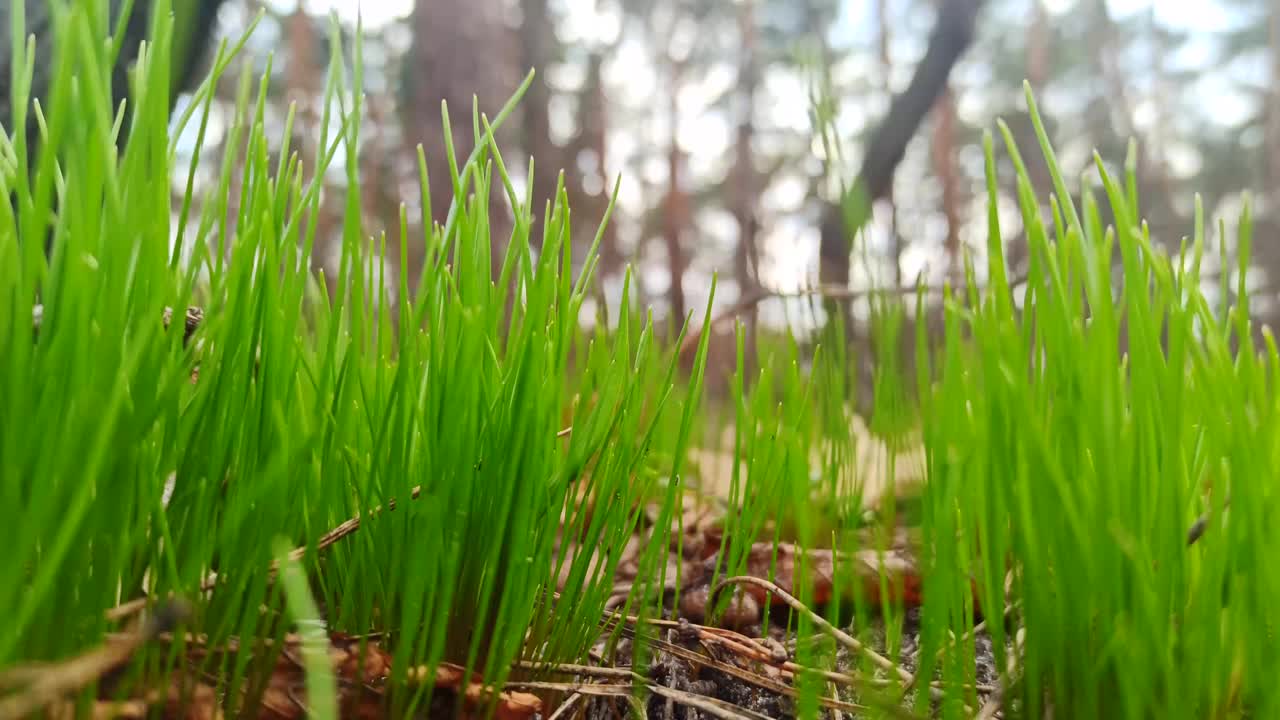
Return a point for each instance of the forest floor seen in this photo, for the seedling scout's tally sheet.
(740, 662)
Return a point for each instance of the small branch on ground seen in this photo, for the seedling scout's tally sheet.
(957, 642)
(841, 636)
(996, 701)
(48, 683)
(631, 628)
(566, 707)
(708, 705)
(749, 648)
(592, 689)
(572, 669)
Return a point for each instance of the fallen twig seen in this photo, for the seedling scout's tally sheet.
(566, 707)
(971, 632)
(712, 706)
(841, 636)
(708, 705)
(582, 688)
(631, 624)
(51, 682)
(996, 700)
(572, 669)
(867, 686)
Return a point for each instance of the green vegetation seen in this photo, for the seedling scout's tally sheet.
(309, 409)
(1072, 435)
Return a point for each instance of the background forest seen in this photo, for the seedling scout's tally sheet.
(714, 115)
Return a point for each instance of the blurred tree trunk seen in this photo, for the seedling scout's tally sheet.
(460, 50)
(886, 72)
(300, 37)
(592, 142)
(538, 47)
(745, 196)
(1273, 98)
(302, 88)
(944, 167)
(833, 248)
(1120, 124)
(953, 32)
(1038, 47)
(675, 218)
(1038, 52)
(1151, 156)
(1106, 56)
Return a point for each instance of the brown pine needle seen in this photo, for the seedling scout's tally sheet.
(841, 636)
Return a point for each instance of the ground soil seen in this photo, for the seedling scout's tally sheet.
(751, 700)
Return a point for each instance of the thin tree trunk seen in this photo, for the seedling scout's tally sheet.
(466, 47)
(1273, 98)
(1151, 156)
(1150, 165)
(301, 68)
(952, 34)
(746, 195)
(1107, 56)
(677, 202)
(944, 169)
(1038, 46)
(302, 89)
(886, 71)
(537, 41)
(593, 127)
(590, 205)
(951, 37)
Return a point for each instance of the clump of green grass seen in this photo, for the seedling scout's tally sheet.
(1073, 436)
(1081, 434)
(315, 402)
